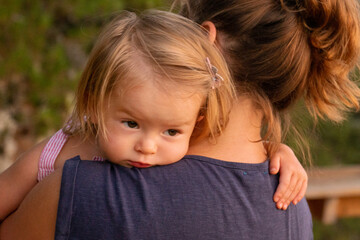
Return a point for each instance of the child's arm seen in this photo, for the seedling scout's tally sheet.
(293, 177)
(19, 179)
(36, 216)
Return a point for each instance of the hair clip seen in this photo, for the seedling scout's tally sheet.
(216, 78)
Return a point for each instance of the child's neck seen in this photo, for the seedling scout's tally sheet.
(239, 141)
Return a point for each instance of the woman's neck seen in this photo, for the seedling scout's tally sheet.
(239, 142)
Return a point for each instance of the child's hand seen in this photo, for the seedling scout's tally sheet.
(293, 177)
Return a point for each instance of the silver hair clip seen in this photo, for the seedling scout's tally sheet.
(216, 78)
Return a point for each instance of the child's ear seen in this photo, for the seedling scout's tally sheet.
(93, 118)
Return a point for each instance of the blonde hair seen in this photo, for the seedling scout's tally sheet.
(173, 47)
(279, 51)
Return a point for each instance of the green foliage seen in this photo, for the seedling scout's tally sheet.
(344, 229)
(337, 144)
(329, 143)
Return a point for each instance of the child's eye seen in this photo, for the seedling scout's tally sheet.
(130, 124)
(171, 132)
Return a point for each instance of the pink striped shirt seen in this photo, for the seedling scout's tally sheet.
(51, 152)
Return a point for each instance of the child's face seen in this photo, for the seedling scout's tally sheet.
(147, 126)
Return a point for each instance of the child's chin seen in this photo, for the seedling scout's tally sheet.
(122, 163)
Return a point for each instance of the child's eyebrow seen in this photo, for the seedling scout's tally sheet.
(127, 111)
(179, 123)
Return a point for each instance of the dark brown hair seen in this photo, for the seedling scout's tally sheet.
(282, 50)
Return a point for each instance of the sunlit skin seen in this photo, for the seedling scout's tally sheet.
(148, 126)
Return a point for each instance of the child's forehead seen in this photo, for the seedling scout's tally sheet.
(142, 78)
(156, 83)
(153, 104)
(157, 90)
(141, 69)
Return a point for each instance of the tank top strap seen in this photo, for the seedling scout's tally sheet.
(50, 153)
(98, 159)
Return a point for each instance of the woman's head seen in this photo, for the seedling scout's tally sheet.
(160, 47)
(282, 50)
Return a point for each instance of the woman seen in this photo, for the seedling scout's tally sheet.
(278, 52)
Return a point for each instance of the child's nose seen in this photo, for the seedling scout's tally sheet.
(146, 146)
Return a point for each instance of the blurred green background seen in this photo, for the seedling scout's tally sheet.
(43, 48)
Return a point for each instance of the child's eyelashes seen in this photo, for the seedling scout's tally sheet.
(171, 132)
(135, 125)
(130, 124)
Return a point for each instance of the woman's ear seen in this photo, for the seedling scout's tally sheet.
(200, 117)
(210, 27)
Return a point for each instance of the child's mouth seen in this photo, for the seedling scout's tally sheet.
(139, 164)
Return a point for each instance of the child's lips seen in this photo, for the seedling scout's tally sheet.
(139, 164)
